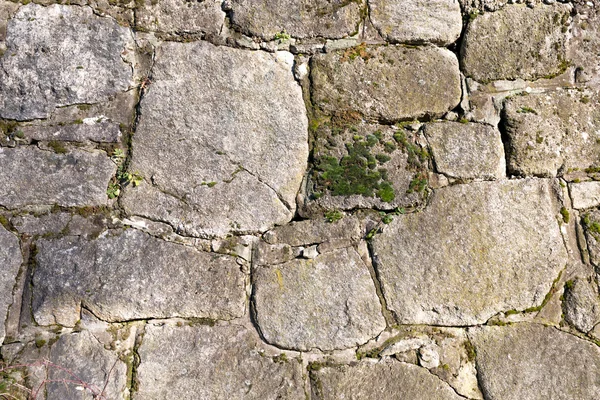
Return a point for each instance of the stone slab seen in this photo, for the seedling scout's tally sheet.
(581, 304)
(585, 194)
(387, 82)
(40, 73)
(127, 275)
(477, 249)
(89, 130)
(10, 261)
(175, 16)
(31, 176)
(220, 362)
(233, 164)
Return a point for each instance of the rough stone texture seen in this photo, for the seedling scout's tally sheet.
(30, 176)
(88, 360)
(466, 151)
(385, 381)
(552, 133)
(221, 362)
(585, 194)
(315, 231)
(90, 129)
(506, 250)
(332, 19)
(417, 21)
(327, 303)
(236, 161)
(10, 261)
(7, 9)
(127, 275)
(40, 72)
(584, 46)
(177, 16)
(387, 82)
(530, 361)
(516, 42)
(582, 304)
(593, 235)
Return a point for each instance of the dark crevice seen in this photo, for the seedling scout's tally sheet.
(506, 141)
(389, 315)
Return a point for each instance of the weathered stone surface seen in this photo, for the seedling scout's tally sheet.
(332, 19)
(585, 194)
(505, 251)
(125, 275)
(40, 224)
(89, 362)
(530, 361)
(591, 225)
(176, 16)
(7, 9)
(386, 381)
(236, 161)
(10, 261)
(516, 42)
(552, 133)
(327, 303)
(315, 231)
(30, 176)
(466, 151)
(365, 165)
(387, 82)
(584, 45)
(582, 304)
(40, 72)
(90, 129)
(220, 362)
(417, 21)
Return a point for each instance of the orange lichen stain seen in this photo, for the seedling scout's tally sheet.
(279, 278)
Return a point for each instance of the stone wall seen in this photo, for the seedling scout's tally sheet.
(311, 199)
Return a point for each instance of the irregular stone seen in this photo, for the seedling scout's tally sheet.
(313, 231)
(7, 9)
(530, 361)
(585, 194)
(40, 72)
(591, 226)
(327, 303)
(90, 129)
(466, 151)
(516, 42)
(42, 224)
(386, 381)
(310, 252)
(582, 304)
(332, 19)
(417, 21)
(505, 252)
(237, 161)
(273, 253)
(10, 261)
(365, 166)
(387, 82)
(84, 358)
(176, 16)
(220, 362)
(552, 132)
(584, 45)
(30, 176)
(126, 275)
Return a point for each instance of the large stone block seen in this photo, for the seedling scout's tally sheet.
(476, 250)
(10, 261)
(177, 16)
(221, 141)
(126, 275)
(387, 82)
(61, 55)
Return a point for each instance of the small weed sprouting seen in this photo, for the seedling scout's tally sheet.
(113, 190)
(282, 36)
(525, 110)
(333, 215)
(565, 215)
(388, 218)
(122, 178)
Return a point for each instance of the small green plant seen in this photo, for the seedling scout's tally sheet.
(282, 36)
(333, 215)
(122, 177)
(565, 215)
(388, 218)
(113, 190)
(57, 146)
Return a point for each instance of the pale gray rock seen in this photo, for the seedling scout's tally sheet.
(332, 19)
(61, 55)
(591, 226)
(516, 42)
(314, 231)
(530, 362)
(466, 151)
(220, 362)
(89, 130)
(85, 359)
(10, 261)
(326, 303)
(585, 194)
(387, 82)
(584, 45)
(221, 141)
(417, 21)
(30, 176)
(125, 275)
(552, 133)
(505, 251)
(41, 224)
(177, 16)
(7, 9)
(385, 380)
(266, 254)
(582, 304)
